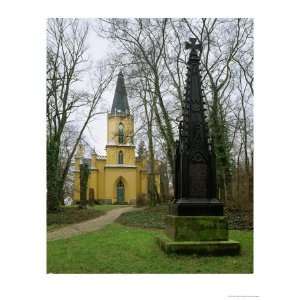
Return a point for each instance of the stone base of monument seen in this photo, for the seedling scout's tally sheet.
(197, 207)
(204, 235)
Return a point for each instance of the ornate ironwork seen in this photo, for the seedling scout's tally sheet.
(195, 169)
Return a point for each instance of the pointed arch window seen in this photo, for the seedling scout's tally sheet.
(121, 134)
(120, 158)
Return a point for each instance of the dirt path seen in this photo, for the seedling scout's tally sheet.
(88, 226)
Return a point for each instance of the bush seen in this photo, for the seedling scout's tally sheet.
(151, 217)
(141, 200)
(71, 215)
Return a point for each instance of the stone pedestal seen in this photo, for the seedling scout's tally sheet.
(197, 207)
(204, 235)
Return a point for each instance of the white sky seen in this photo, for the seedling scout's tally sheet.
(96, 133)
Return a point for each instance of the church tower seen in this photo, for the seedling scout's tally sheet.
(120, 168)
(120, 129)
(119, 177)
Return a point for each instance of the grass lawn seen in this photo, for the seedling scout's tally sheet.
(72, 214)
(106, 207)
(123, 249)
(151, 217)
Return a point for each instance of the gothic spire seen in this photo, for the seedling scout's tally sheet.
(195, 168)
(120, 102)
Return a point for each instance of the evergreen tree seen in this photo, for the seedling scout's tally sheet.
(141, 150)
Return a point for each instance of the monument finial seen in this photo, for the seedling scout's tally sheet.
(192, 45)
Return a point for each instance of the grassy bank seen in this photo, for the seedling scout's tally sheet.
(123, 249)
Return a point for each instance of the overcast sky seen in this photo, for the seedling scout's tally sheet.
(98, 48)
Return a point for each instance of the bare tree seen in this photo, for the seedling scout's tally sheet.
(140, 88)
(66, 65)
(152, 51)
(141, 41)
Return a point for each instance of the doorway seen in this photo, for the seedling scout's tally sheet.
(120, 192)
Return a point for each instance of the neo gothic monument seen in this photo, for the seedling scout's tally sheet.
(196, 223)
(195, 167)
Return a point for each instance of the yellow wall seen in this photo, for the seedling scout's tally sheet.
(128, 154)
(128, 177)
(104, 180)
(100, 164)
(113, 128)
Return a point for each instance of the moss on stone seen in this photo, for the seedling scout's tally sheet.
(213, 248)
(197, 228)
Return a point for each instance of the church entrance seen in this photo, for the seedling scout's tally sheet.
(120, 192)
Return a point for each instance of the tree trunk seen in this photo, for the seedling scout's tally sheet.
(152, 186)
(84, 176)
(52, 175)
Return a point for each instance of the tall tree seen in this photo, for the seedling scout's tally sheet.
(142, 89)
(141, 41)
(84, 177)
(141, 151)
(66, 65)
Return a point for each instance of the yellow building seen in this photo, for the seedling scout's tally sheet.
(119, 177)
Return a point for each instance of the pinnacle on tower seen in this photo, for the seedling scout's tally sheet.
(120, 102)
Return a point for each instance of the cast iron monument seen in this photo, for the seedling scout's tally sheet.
(195, 170)
(196, 223)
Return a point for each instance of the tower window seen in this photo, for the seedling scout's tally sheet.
(120, 158)
(121, 134)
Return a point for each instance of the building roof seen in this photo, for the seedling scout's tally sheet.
(120, 102)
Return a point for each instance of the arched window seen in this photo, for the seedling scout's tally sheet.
(120, 157)
(121, 134)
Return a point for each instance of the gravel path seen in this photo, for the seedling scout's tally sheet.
(88, 226)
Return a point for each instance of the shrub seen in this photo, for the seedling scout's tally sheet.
(141, 200)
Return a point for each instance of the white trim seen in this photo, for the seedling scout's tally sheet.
(120, 145)
(119, 166)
